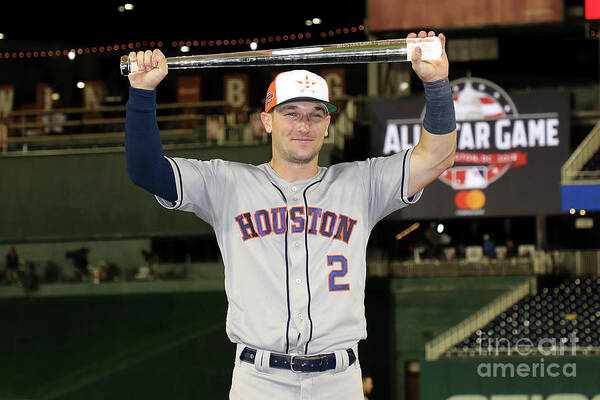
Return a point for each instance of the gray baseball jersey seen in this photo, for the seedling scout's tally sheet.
(294, 253)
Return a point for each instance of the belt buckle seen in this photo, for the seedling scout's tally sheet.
(292, 364)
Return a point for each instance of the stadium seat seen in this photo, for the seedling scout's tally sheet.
(473, 253)
(526, 250)
(560, 312)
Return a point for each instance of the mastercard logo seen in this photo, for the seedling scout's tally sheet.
(469, 200)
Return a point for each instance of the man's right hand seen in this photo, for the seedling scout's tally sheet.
(152, 69)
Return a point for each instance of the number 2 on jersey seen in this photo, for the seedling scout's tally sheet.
(337, 273)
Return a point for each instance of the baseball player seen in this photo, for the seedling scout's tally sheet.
(292, 234)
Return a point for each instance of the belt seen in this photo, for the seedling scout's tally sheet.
(298, 363)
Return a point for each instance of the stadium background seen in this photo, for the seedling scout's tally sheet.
(120, 330)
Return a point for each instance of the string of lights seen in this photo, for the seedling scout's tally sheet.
(183, 45)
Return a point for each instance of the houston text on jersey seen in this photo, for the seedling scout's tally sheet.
(316, 221)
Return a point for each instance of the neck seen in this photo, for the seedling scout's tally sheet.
(292, 172)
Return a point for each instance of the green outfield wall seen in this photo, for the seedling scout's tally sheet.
(516, 378)
(114, 344)
(425, 308)
(90, 196)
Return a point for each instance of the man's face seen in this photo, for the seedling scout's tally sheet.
(298, 130)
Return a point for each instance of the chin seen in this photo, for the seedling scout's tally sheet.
(304, 158)
(299, 160)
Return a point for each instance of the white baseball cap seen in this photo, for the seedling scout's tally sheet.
(298, 85)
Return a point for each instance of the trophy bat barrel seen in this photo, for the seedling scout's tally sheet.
(376, 51)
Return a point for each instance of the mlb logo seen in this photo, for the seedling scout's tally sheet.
(269, 99)
(468, 177)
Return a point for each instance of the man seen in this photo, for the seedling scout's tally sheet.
(489, 246)
(293, 235)
(13, 262)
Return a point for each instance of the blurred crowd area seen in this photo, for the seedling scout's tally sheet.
(432, 254)
(77, 268)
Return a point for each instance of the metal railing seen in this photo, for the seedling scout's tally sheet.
(565, 262)
(576, 263)
(436, 347)
(571, 170)
(208, 123)
(495, 351)
(514, 266)
(582, 177)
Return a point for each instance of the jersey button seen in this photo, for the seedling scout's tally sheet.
(298, 281)
(300, 316)
(294, 189)
(296, 244)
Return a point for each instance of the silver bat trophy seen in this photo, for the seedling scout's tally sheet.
(394, 50)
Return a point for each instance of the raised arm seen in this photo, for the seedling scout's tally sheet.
(146, 163)
(434, 153)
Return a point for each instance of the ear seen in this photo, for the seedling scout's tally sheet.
(328, 122)
(267, 121)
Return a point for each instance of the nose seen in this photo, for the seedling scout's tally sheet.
(303, 124)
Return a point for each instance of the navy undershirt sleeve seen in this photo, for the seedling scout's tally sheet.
(146, 164)
(440, 117)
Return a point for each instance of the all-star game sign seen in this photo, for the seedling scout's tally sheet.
(509, 151)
